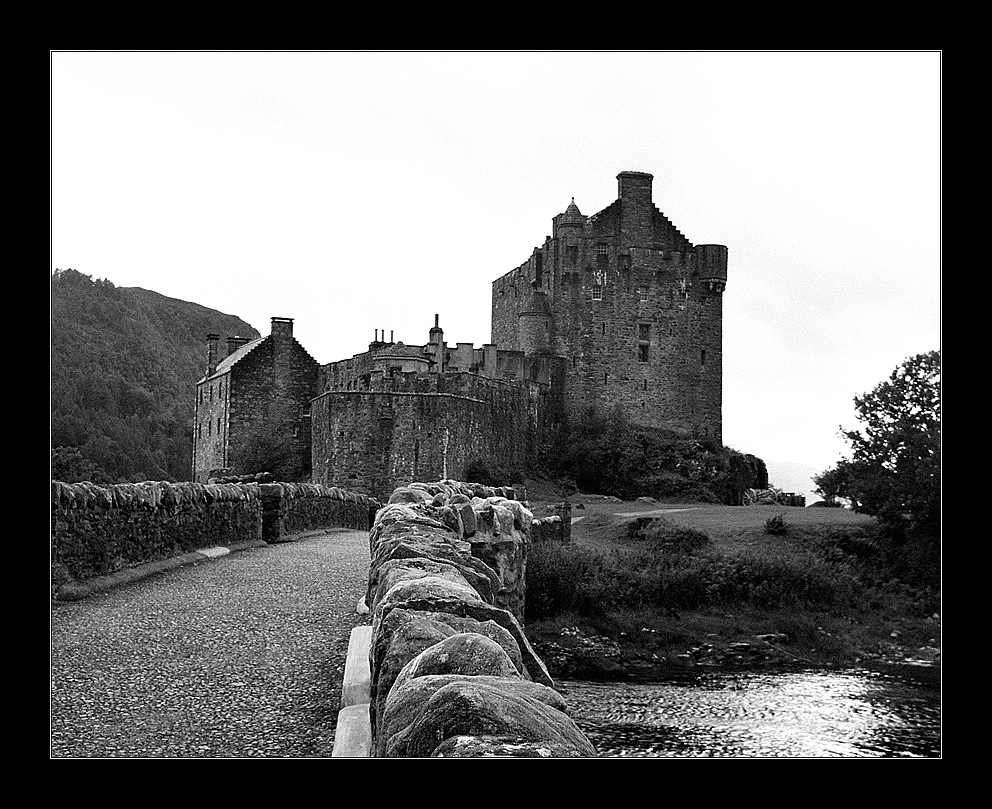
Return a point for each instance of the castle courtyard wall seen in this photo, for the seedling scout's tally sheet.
(422, 427)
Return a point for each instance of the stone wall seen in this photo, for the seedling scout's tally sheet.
(425, 426)
(99, 531)
(452, 672)
(291, 508)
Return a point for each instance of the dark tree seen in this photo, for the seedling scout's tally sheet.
(894, 470)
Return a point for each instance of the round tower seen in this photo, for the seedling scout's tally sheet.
(569, 222)
(712, 263)
(535, 323)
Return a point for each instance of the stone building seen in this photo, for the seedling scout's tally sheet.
(399, 413)
(260, 385)
(616, 312)
(634, 310)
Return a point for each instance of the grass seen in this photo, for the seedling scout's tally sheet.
(681, 585)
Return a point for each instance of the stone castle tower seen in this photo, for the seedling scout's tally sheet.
(632, 310)
(616, 312)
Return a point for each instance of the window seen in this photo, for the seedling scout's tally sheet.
(597, 292)
(642, 293)
(642, 352)
(604, 327)
(572, 254)
(702, 358)
(643, 341)
(601, 249)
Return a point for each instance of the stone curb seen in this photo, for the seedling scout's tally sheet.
(75, 590)
(353, 736)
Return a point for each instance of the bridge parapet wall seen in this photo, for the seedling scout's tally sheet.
(102, 530)
(452, 672)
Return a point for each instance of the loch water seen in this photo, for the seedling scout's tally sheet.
(795, 714)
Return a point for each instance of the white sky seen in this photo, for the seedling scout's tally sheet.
(364, 190)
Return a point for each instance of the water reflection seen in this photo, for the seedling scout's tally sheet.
(796, 714)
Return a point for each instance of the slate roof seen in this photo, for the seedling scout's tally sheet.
(225, 364)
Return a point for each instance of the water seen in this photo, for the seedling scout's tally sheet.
(805, 714)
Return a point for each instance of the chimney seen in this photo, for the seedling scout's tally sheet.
(234, 343)
(282, 327)
(636, 210)
(634, 186)
(213, 340)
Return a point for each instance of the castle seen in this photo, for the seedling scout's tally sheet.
(615, 312)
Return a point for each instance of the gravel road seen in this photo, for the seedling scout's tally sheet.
(236, 657)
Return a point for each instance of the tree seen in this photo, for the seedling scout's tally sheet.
(894, 471)
(70, 466)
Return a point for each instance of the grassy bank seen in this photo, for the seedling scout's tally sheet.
(646, 590)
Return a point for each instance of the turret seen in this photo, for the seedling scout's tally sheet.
(712, 265)
(436, 343)
(569, 222)
(535, 323)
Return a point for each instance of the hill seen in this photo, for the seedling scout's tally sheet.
(124, 366)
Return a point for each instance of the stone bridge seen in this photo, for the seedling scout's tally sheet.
(444, 669)
(450, 672)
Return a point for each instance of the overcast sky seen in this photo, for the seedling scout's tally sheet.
(363, 190)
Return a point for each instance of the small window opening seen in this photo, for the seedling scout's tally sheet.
(702, 357)
(597, 292)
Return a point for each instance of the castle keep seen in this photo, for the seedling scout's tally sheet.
(617, 311)
(631, 306)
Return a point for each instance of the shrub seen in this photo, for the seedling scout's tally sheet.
(556, 574)
(776, 526)
(489, 474)
(564, 579)
(667, 538)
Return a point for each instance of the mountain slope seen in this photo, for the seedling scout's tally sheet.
(124, 366)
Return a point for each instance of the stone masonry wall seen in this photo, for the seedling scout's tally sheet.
(98, 531)
(424, 426)
(452, 672)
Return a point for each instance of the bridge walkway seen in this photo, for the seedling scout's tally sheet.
(237, 655)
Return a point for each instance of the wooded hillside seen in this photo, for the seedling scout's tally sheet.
(124, 367)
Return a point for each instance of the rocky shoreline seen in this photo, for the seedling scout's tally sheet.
(575, 655)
